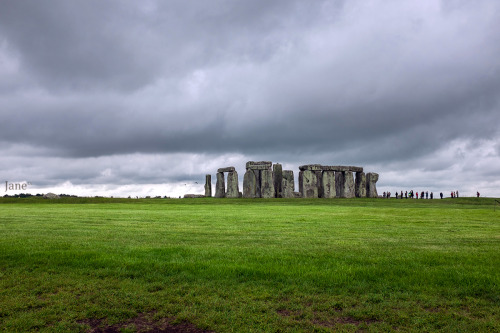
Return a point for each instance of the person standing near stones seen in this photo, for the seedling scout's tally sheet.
(406, 194)
(477, 194)
(417, 195)
(457, 194)
(427, 194)
(432, 196)
(441, 195)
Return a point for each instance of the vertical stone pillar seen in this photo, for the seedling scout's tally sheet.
(278, 178)
(348, 184)
(220, 186)
(208, 185)
(288, 184)
(328, 183)
(258, 183)
(249, 184)
(301, 183)
(339, 184)
(319, 181)
(371, 188)
(360, 186)
(309, 184)
(233, 190)
(267, 184)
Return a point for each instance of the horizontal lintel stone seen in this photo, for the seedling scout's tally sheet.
(339, 168)
(262, 165)
(227, 169)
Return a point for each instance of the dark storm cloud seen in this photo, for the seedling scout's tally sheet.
(354, 82)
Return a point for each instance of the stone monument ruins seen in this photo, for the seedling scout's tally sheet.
(265, 180)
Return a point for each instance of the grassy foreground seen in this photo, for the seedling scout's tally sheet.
(236, 265)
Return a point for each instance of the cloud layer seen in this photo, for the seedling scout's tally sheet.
(158, 92)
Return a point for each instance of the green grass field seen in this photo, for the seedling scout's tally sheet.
(240, 265)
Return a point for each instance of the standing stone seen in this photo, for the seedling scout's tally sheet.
(249, 185)
(258, 183)
(339, 184)
(309, 184)
(328, 181)
(360, 186)
(301, 183)
(233, 190)
(278, 178)
(319, 181)
(348, 185)
(287, 184)
(371, 188)
(220, 186)
(208, 185)
(267, 184)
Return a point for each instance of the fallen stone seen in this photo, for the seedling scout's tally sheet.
(193, 196)
(227, 169)
(51, 196)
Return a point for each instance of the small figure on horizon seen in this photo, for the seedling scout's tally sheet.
(427, 194)
(406, 194)
(457, 194)
(432, 195)
(384, 195)
(422, 195)
(396, 195)
(417, 195)
(452, 194)
(401, 194)
(477, 194)
(441, 195)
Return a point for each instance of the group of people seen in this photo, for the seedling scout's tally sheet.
(414, 195)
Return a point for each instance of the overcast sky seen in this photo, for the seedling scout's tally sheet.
(146, 97)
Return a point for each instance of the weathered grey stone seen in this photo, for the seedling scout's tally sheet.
(297, 195)
(267, 184)
(220, 186)
(339, 184)
(226, 169)
(262, 165)
(319, 167)
(258, 183)
(287, 184)
(328, 181)
(51, 196)
(208, 185)
(193, 196)
(311, 167)
(360, 186)
(301, 183)
(278, 178)
(371, 188)
(348, 184)
(232, 185)
(249, 185)
(309, 184)
(319, 181)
